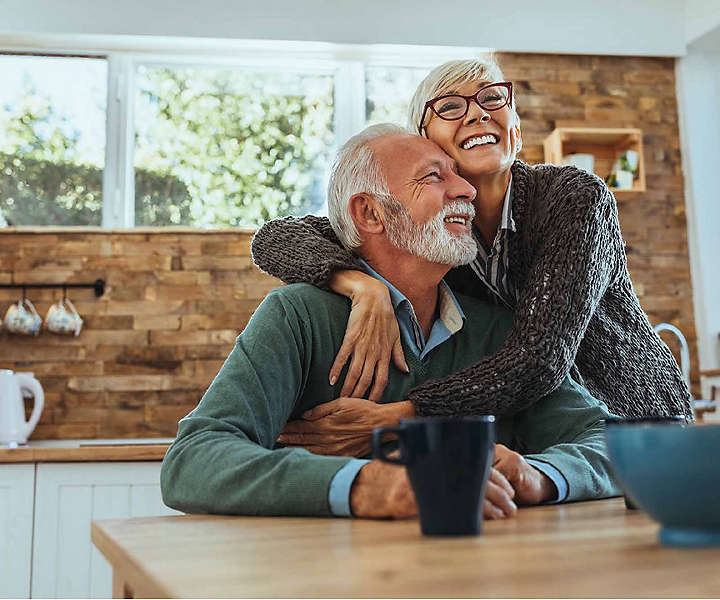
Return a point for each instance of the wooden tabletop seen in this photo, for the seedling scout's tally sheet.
(588, 549)
(90, 453)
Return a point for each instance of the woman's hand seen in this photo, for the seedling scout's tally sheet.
(372, 336)
(343, 427)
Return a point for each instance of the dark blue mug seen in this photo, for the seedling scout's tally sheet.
(448, 461)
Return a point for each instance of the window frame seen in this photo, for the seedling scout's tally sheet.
(347, 64)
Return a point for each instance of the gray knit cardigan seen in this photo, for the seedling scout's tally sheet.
(576, 313)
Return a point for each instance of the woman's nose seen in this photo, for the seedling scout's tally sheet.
(476, 113)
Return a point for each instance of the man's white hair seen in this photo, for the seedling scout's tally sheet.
(356, 171)
(445, 79)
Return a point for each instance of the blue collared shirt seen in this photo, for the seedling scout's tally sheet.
(450, 320)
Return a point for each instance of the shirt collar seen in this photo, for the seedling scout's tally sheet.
(450, 312)
(506, 220)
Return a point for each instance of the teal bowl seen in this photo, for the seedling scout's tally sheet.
(673, 474)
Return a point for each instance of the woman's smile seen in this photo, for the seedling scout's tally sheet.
(482, 142)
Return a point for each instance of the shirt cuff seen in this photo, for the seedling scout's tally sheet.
(561, 485)
(339, 493)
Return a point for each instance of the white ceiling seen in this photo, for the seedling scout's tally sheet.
(624, 27)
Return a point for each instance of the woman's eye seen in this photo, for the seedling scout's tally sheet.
(492, 99)
(448, 106)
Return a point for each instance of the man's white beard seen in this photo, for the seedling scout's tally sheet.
(431, 240)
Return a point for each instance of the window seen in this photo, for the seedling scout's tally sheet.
(52, 140)
(199, 133)
(229, 148)
(389, 91)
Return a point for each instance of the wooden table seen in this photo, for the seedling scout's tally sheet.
(588, 549)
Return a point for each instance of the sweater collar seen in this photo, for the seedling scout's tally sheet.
(522, 183)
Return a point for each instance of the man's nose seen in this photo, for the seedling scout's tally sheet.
(460, 189)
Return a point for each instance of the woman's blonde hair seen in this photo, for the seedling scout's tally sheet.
(447, 78)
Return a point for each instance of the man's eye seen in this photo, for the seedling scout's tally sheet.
(433, 174)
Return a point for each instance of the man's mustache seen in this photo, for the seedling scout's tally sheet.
(456, 208)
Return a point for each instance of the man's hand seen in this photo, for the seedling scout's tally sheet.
(499, 494)
(382, 490)
(343, 427)
(531, 486)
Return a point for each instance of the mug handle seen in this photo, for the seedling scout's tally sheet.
(78, 320)
(26, 302)
(377, 446)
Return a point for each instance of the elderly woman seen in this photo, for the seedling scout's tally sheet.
(549, 248)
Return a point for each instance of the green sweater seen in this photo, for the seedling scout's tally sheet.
(224, 459)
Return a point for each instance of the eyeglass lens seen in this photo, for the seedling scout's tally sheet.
(455, 107)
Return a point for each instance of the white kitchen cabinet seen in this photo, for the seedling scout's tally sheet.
(68, 496)
(16, 526)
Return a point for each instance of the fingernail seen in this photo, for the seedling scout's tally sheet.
(333, 379)
(514, 506)
(407, 369)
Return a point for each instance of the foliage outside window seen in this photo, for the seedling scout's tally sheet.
(52, 140)
(389, 91)
(232, 148)
(217, 145)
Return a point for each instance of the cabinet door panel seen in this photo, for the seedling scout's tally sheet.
(17, 483)
(109, 502)
(74, 503)
(68, 497)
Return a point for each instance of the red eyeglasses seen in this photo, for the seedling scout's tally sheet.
(452, 107)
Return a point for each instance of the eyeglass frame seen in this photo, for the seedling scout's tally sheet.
(429, 103)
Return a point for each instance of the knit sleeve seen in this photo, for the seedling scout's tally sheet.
(301, 250)
(577, 259)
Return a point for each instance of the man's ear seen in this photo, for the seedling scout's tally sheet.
(366, 214)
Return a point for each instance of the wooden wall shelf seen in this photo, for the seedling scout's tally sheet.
(605, 144)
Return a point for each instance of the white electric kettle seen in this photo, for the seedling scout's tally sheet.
(14, 429)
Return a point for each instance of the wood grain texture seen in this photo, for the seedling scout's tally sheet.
(177, 297)
(151, 345)
(582, 550)
(93, 453)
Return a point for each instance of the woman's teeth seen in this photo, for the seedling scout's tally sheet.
(479, 141)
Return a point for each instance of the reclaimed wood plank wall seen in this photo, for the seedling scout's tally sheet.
(173, 305)
(176, 300)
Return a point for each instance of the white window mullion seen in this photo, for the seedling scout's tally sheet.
(119, 177)
(349, 100)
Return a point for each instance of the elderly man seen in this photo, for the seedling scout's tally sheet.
(397, 200)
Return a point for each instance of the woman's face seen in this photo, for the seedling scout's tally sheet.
(483, 159)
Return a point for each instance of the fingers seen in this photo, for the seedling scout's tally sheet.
(353, 374)
(321, 410)
(300, 426)
(490, 511)
(398, 356)
(366, 377)
(381, 378)
(340, 360)
(498, 503)
(500, 480)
